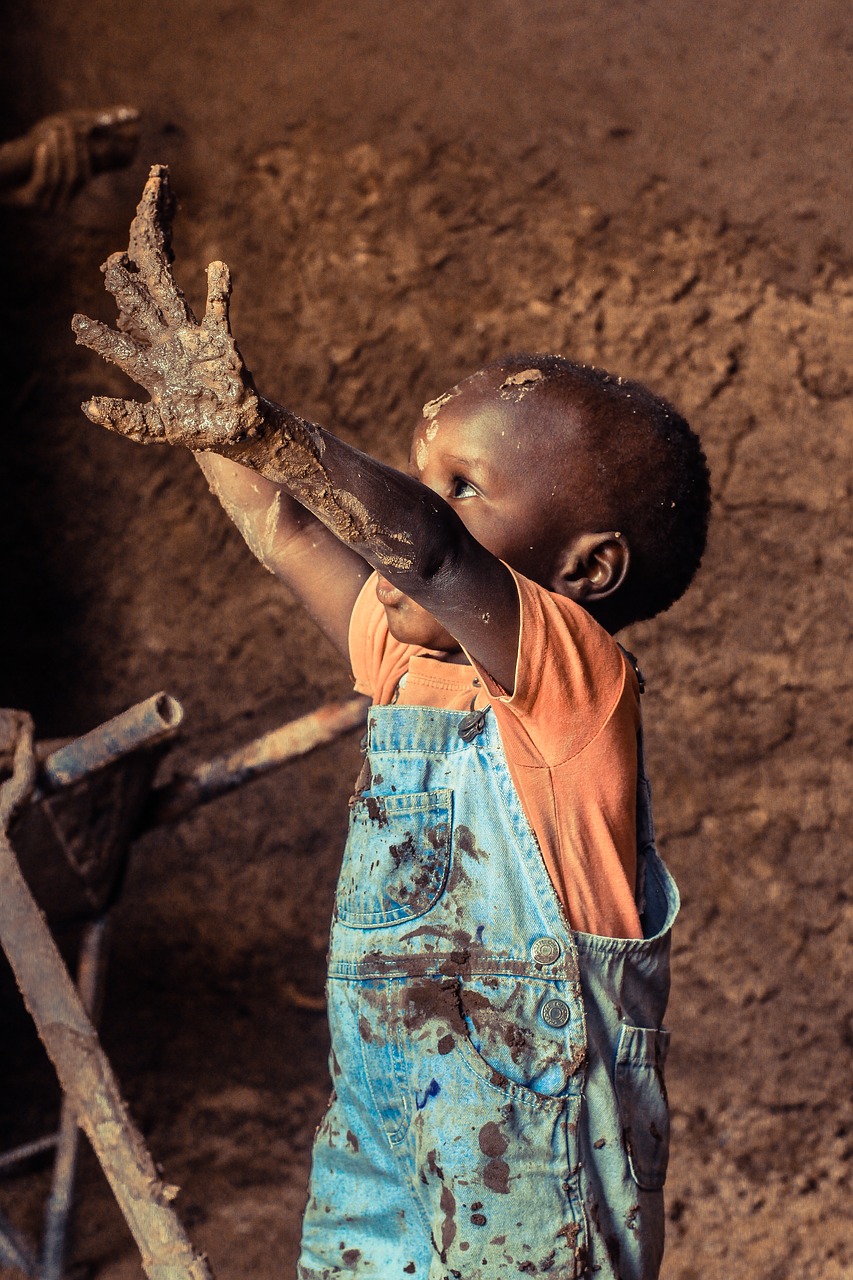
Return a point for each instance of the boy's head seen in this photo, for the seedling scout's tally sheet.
(584, 482)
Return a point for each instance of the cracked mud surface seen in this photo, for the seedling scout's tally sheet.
(372, 271)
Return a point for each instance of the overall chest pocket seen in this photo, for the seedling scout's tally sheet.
(397, 858)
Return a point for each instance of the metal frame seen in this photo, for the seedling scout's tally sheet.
(49, 805)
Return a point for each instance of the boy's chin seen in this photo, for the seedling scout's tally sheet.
(411, 624)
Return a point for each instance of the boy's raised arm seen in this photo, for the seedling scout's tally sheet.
(161, 345)
(203, 397)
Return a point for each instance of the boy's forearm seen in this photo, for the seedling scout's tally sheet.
(290, 542)
(397, 524)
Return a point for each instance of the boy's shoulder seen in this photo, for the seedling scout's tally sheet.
(571, 680)
(559, 638)
(568, 666)
(573, 686)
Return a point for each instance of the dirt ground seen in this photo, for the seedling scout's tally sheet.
(403, 191)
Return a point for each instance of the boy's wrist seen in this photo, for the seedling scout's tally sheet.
(279, 444)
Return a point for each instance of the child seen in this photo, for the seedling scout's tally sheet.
(498, 969)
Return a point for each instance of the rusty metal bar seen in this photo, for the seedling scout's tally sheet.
(227, 772)
(81, 1065)
(144, 725)
(60, 1204)
(26, 1151)
(14, 1250)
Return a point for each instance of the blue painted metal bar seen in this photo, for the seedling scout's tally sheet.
(143, 725)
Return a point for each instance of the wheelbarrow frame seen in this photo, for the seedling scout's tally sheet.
(85, 802)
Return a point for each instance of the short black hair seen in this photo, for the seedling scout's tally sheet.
(652, 481)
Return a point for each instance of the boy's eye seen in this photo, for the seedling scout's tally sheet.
(461, 488)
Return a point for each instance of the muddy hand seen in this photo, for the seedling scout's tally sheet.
(202, 395)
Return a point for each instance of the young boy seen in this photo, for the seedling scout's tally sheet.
(498, 969)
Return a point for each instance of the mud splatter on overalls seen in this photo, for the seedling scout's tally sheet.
(499, 1106)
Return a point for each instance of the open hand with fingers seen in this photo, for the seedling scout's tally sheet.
(202, 395)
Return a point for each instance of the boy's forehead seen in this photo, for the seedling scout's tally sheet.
(496, 383)
(495, 403)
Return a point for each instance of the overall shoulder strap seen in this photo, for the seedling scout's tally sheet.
(645, 820)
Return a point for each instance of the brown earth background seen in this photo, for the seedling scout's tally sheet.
(403, 191)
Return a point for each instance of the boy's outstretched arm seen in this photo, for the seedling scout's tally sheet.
(203, 397)
(324, 574)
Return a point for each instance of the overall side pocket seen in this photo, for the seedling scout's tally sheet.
(641, 1096)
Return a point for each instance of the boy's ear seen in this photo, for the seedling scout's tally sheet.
(594, 566)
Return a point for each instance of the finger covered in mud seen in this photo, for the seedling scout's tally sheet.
(138, 313)
(218, 296)
(151, 229)
(139, 422)
(118, 348)
(150, 246)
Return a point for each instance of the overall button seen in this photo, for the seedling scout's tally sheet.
(555, 1013)
(545, 951)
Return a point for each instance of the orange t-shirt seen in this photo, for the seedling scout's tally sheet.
(569, 733)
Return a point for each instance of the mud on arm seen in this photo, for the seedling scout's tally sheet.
(291, 543)
(203, 397)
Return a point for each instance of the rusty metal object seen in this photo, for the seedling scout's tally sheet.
(95, 795)
(81, 1065)
(27, 1151)
(62, 761)
(144, 725)
(235, 768)
(60, 1204)
(72, 812)
(14, 1250)
(73, 837)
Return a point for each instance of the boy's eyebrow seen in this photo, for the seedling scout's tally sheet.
(464, 462)
(477, 468)
(454, 459)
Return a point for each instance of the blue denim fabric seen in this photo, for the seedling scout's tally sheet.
(499, 1106)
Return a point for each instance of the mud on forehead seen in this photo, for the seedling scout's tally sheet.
(512, 386)
(518, 385)
(520, 394)
(432, 408)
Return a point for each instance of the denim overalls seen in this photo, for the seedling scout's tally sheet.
(499, 1105)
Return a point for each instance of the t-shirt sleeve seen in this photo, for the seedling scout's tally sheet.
(569, 677)
(377, 659)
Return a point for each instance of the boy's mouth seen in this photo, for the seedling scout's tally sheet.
(386, 593)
